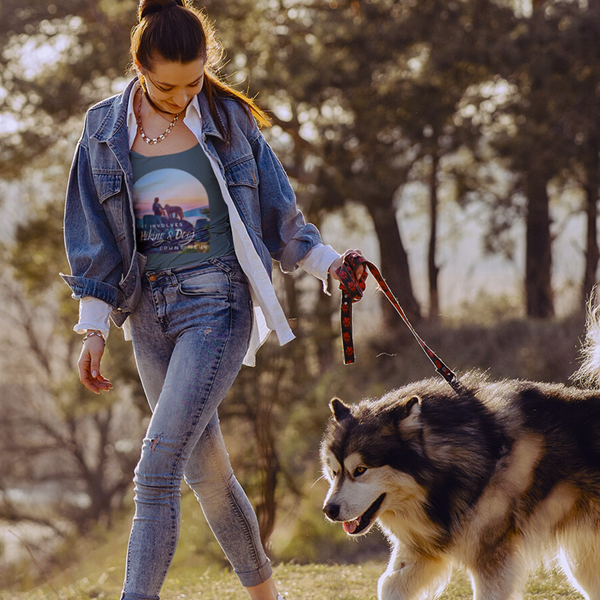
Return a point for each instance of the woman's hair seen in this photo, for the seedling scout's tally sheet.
(175, 31)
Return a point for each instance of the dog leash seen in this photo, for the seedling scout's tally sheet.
(352, 291)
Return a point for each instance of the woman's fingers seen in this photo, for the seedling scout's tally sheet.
(89, 366)
(336, 264)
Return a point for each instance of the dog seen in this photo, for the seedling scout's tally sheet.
(491, 479)
(174, 212)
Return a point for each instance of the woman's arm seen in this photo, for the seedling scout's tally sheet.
(95, 264)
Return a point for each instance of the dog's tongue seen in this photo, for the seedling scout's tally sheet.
(350, 526)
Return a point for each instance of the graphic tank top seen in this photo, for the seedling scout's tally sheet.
(180, 215)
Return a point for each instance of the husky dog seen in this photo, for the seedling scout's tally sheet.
(492, 479)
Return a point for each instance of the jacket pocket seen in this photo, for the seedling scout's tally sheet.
(108, 183)
(242, 181)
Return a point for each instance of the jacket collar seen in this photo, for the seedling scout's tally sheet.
(209, 126)
(116, 117)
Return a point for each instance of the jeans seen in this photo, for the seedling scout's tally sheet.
(190, 333)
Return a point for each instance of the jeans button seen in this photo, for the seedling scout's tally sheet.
(152, 277)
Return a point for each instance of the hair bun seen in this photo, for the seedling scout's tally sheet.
(150, 7)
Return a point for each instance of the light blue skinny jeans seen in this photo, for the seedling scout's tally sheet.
(190, 333)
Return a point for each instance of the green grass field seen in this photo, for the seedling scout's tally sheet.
(296, 582)
(92, 568)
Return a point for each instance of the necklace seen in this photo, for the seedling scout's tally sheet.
(163, 135)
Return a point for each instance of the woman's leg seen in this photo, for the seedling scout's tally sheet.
(207, 336)
(226, 507)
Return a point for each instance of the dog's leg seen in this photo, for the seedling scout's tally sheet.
(413, 576)
(499, 576)
(580, 560)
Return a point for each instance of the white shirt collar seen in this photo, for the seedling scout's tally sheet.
(193, 117)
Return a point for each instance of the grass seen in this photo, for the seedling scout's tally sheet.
(296, 582)
(96, 566)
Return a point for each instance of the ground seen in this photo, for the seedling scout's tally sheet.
(295, 582)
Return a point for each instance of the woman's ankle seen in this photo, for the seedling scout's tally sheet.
(264, 591)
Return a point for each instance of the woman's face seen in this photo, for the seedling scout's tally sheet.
(171, 85)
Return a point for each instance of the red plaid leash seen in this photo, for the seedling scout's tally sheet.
(352, 291)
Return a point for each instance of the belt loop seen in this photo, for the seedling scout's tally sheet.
(173, 277)
(222, 265)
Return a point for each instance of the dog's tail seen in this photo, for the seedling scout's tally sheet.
(588, 374)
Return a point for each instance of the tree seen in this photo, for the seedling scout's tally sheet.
(65, 434)
(581, 122)
(57, 61)
(526, 125)
(452, 45)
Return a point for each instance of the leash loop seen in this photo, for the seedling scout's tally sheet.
(352, 291)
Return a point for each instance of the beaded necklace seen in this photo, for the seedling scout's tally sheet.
(163, 135)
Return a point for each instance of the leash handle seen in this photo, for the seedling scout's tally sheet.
(352, 291)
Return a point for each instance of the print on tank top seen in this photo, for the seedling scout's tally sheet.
(172, 212)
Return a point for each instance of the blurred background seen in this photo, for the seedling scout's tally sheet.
(456, 142)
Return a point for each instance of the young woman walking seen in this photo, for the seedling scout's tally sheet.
(175, 208)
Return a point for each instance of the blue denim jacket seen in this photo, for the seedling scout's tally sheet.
(100, 233)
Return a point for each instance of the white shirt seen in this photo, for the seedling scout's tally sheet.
(268, 314)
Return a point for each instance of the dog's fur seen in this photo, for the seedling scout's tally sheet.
(492, 480)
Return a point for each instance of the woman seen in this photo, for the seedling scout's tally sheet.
(190, 281)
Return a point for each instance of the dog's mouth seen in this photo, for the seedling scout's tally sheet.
(359, 525)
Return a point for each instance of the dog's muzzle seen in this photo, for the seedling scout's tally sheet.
(359, 525)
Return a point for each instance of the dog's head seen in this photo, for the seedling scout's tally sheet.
(370, 455)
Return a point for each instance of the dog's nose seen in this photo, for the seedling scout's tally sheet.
(332, 511)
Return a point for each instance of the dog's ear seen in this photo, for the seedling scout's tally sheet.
(409, 421)
(340, 410)
(413, 407)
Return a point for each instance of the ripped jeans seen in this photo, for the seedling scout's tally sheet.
(190, 333)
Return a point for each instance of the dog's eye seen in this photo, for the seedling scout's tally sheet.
(359, 471)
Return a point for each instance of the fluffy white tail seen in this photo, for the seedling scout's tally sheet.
(588, 374)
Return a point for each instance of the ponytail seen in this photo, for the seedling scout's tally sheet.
(175, 31)
(146, 8)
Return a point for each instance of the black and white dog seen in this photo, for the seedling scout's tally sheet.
(491, 480)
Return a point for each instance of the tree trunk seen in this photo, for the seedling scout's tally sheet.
(538, 259)
(432, 268)
(394, 264)
(592, 253)
(267, 388)
(266, 509)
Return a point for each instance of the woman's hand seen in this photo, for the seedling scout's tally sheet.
(337, 263)
(89, 365)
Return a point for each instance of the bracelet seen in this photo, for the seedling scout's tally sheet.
(89, 334)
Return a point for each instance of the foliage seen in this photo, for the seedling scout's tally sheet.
(544, 124)
(76, 450)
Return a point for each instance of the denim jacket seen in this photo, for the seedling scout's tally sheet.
(100, 234)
